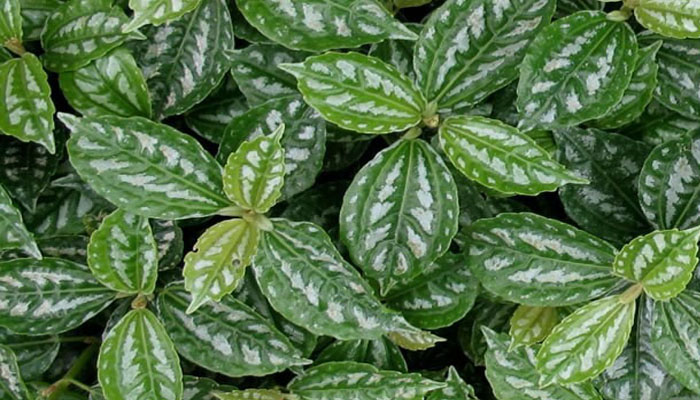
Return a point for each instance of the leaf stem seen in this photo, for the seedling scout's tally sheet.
(55, 391)
(15, 46)
(631, 294)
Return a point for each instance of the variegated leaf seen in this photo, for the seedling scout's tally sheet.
(35, 354)
(486, 313)
(255, 394)
(122, 254)
(575, 70)
(512, 374)
(438, 297)
(210, 117)
(381, 353)
(319, 205)
(458, 64)
(217, 264)
(79, 31)
(586, 342)
(48, 296)
(530, 325)
(11, 24)
(138, 360)
(658, 125)
(358, 92)
(201, 388)
(111, 85)
(536, 261)
(499, 157)
(400, 213)
(26, 109)
(144, 167)
(184, 60)
(358, 381)
(34, 15)
(169, 243)
(398, 53)
(4, 55)
(677, 19)
(318, 25)
(157, 12)
(662, 261)
(13, 232)
(12, 385)
(566, 7)
(227, 337)
(254, 173)
(456, 388)
(245, 30)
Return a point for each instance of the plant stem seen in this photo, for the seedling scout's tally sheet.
(15, 46)
(631, 294)
(55, 391)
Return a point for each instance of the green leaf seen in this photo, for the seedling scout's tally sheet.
(658, 125)
(586, 342)
(498, 156)
(512, 374)
(26, 109)
(319, 205)
(381, 353)
(358, 92)
(438, 297)
(34, 16)
(122, 254)
(400, 213)
(456, 388)
(13, 233)
(575, 70)
(11, 384)
(675, 19)
(254, 174)
(255, 394)
(336, 380)
(227, 337)
(35, 354)
(608, 205)
(318, 25)
(486, 313)
(144, 167)
(11, 23)
(48, 296)
(535, 261)
(662, 261)
(111, 85)
(169, 242)
(530, 325)
(201, 388)
(398, 53)
(137, 359)
(639, 92)
(210, 117)
(566, 7)
(184, 60)
(217, 264)
(79, 31)
(459, 64)
(157, 12)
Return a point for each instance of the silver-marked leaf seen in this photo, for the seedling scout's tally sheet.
(12, 386)
(398, 53)
(658, 125)
(456, 388)
(458, 64)
(26, 109)
(575, 70)
(255, 70)
(318, 25)
(336, 380)
(530, 325)
(536, 261)
(662, 261)
(500, 157)
(11, 23)
(303, 140)
(566, 7)
(218, 261)
(608, 205)
(13, 232)
(48, 296)
(438, 297)
(169, 243)
(227, 337)
(255, 394)
(358, 92)
(210, 117)
(512, 374)
(677, 19)
(668, 184)
(144, 167)
(400, 213)
(122, 254)
(254, 173)
(4, 55)
(201, 388)
(34, 15)
(381, 353)
(586, 342)
(157, 12)
(184, 60)
(111, 85)
(639, 92)
(485, 313)
(69, 247)
(138, 360)
(79, 31)
(35, 354)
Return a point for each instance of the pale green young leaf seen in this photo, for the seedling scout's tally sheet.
(13, 232)
(358, 92)
(26, 108)
(35, 354)
(12, 385)
(413, 339)
(536, 261)
(676, 19)
(530, 325)
(459, 64)
(500, 157)
(110, 85)
(381, 353)
(157, 12)
(144, 167)
(216, 265)
(575, 70)
(226, 337)
(586, 342)
(137, 359)
(254, 173)
(400, 213)
(185, 59)
(255, 394)
(34, 14)
(456, 388)
(48, 296)
(318, 25)
(122, 254)
(361, 382)
(10, 23)
(210, 117)
(662, 261)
